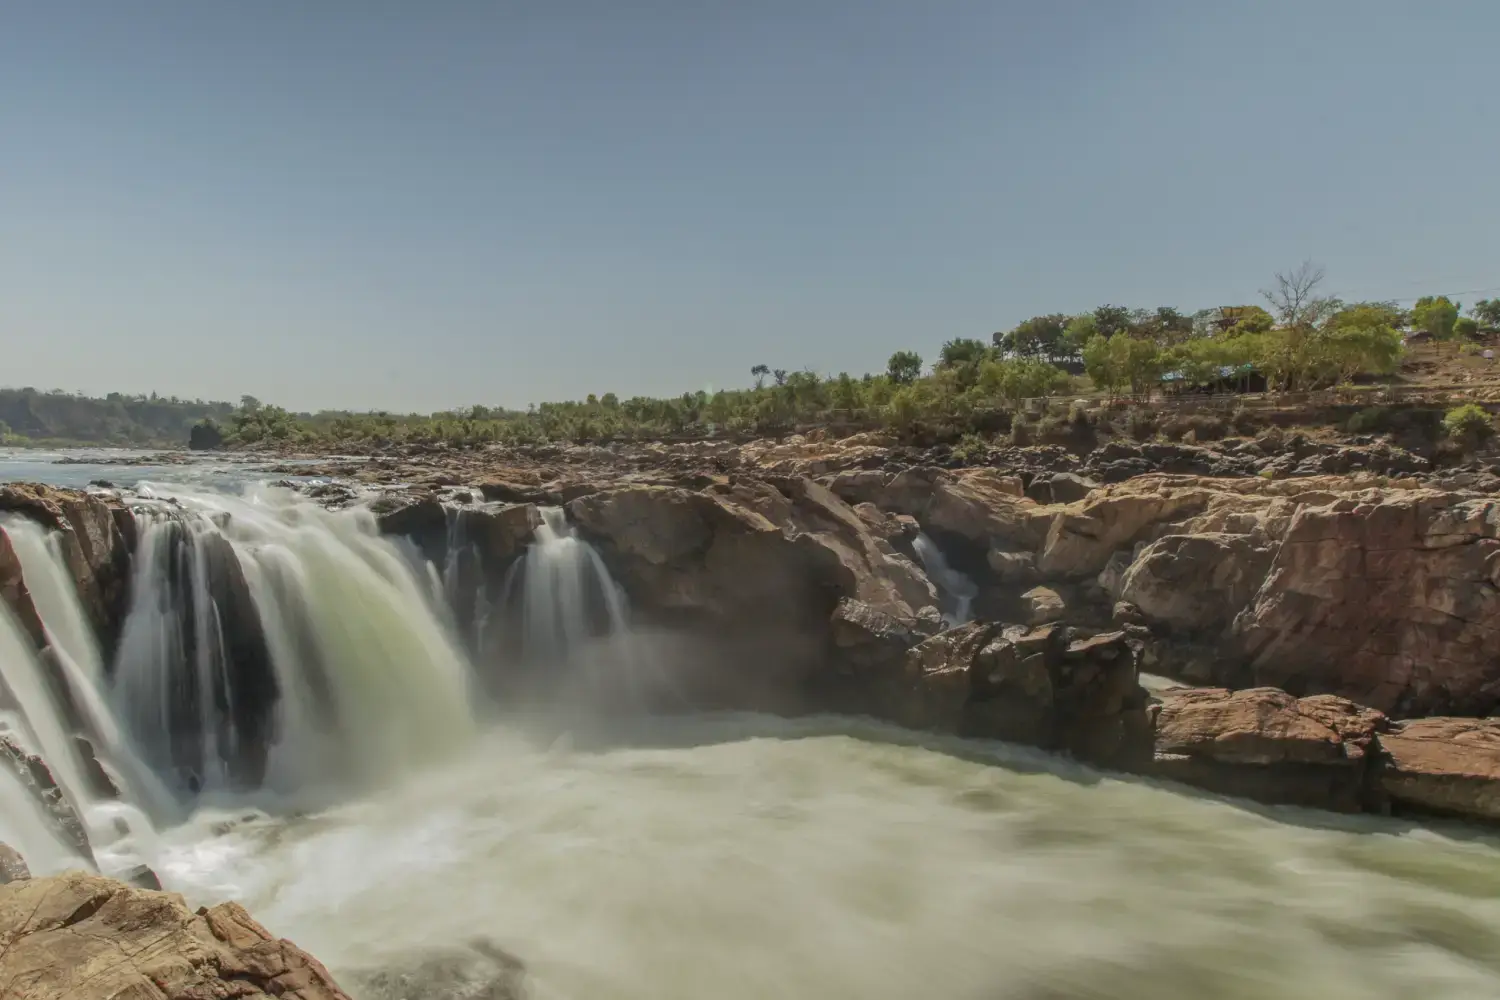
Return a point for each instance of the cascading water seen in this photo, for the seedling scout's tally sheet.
(272, 643)
(954, 585)
(560, 600)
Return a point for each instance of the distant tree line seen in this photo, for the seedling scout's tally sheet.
(1298, 339)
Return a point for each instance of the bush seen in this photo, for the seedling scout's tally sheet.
(1021, 432)
(1370, 420)
(1468, 424)
(971, 449)
(1140, 424)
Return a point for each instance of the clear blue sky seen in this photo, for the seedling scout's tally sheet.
(422, 205)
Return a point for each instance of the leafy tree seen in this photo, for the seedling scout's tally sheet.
(1015, 379)
(904, 367)
(1361, 338)
(1078, 332)
(1435, 315)
(1110, 320)
(1468, 425)
(1466, 328)
(1487, 312)
(1102, 365)
(1042, 337)
(759, 372)
(961, 352)
(779, 375)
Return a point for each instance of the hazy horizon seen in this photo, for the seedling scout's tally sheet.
(380, 206)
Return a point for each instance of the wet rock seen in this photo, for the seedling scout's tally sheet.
(17, 597)
(36, 777)
(102, 785)
(1443, 765)
(1042, 686)
(13, 867)
(480, 971)
(94, 546)
(1267, 745)
(81, 936)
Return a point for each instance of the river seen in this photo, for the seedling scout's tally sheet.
(750, 857)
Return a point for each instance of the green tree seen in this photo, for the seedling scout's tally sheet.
(1435, 315)
(1042, 337)
(1468, 425)
(1466, 328)
(1079, 331)
(904, 367)
(1102, 365)
(1110, 320)
(1361, 338)
(759, 372)
(1487, 312)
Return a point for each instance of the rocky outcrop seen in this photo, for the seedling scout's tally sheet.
(1266, 745)
(16, 596)
(85, 937)
(96, 540)
(1390, 599)
(1045, 687)
(36, 778)
(779, 554)
(1443, 765)
(1196, 583)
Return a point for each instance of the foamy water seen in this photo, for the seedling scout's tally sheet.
(758, 858)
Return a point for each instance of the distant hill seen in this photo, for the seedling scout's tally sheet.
(31, 417)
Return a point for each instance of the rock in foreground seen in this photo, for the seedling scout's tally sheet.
(85, 937)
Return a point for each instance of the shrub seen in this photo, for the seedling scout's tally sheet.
(1468, 424)
(971, 449)
(1140, 424)
(1370, 420)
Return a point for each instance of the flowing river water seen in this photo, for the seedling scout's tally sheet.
(750, 857)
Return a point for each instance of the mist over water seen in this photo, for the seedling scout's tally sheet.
(412, 846)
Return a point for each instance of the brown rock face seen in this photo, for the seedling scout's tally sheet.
(84, 937)
(36, 777)
(1196, 582)
(1266, 745)
(1083, 536)
(1444, 765)
(15, 595)
(95, 547)
(781, 554)
(1033, 686)
(1393, 602)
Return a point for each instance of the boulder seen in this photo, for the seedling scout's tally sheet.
(1267, 745)
(1011, 567)
(1443, 765)
(779, 553)
(81, 936)
(13, 867)
(1389, 599)
(1043, 604)
(1060, 488)
(1082, 537)
(94, 545)
(1196, 582)
(1043, 687)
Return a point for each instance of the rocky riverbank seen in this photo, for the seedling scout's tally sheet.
(85, 937)
(791, 578)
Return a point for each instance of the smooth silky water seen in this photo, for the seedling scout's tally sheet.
(743, 857)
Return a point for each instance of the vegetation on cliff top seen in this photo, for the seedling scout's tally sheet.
(1300, 340)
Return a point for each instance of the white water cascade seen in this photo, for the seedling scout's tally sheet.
(273, 643)
(953, 584)
(560, 600)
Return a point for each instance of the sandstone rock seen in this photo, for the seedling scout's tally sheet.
(13, 867)
(1034, 686)
(16, 596)
(36, 777)
(717, 557)
(1081, 538)
(1266, 745)
(1060, 488)
(1196, 582)
(1043, 604)
(1392, 600)
(1011, 567)
(85, 937)
(1444, 765)
(94, 546)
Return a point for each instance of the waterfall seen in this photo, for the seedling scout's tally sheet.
(272, 643)
(953, 584)
(559, 599)
(52, 591)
